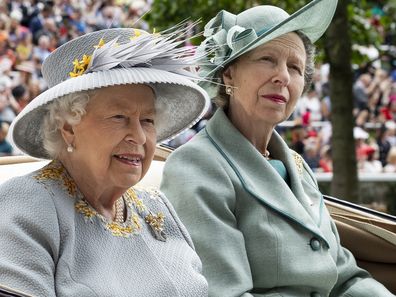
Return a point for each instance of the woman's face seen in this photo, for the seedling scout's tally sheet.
(115, 141)
(268, 80)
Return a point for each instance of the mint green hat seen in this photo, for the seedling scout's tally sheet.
(229, 36)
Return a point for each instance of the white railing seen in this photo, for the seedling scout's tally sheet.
(363, 177)
(320, 124)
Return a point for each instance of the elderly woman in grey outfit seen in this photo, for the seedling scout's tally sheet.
(78, 227)
(252, 205)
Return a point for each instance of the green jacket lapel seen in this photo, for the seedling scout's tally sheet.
(250, 168)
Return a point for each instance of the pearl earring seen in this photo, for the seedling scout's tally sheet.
(229, 90)
(70, 149)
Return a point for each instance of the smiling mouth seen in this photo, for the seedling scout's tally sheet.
(130, 160)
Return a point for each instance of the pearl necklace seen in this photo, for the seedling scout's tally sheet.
(119, 211)
(266, 155)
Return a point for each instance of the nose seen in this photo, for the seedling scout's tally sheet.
(136, 134)
(281, 75)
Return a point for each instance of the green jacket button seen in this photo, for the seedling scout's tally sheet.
(315, 245)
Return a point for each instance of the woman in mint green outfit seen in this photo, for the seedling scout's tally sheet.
(252, 205)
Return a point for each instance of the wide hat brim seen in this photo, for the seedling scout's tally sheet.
(312, 20)
(184, 104)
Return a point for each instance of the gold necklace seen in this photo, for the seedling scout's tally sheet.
(119, 211)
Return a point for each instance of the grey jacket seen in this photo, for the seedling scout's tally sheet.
(54, 244)
(257, 236)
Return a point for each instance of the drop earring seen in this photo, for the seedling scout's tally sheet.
(70, 148)
(229, 90)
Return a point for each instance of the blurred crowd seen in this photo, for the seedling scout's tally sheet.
(30, 30)
(374, 113)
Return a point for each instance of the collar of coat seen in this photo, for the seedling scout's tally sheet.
(260, 179)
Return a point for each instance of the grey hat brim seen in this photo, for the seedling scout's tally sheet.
(184, 104)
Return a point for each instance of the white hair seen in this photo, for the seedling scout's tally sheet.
(161, 107)
(66, 109)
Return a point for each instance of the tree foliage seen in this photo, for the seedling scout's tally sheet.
(166, 13)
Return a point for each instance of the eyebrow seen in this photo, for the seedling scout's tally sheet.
(151, 111)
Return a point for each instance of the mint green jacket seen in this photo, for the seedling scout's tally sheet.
(257, 236)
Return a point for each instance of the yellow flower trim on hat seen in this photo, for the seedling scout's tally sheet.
(136, 34)
(80, 66)
(100, 44)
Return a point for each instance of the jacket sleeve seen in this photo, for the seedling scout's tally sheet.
(29, 238)
(204, 197)
(352, 280)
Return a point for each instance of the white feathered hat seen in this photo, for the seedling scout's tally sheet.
(116, 57)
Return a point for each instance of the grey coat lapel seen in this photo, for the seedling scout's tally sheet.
(251, 169)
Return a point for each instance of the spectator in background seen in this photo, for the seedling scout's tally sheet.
(362, 89)
(389, 111)
(6, 53)
(383, 144)
(49, 29)
(90, 15)
(7, 113)
(24, 48)
(325, 159)
(369, 162)
(110, 16)
(311, 155)
(326, 102)
(5, 147)
(37, 22)
(391, 161)
(42, 51)
(367, 152)
(77, 21)
(25, 7)
(134, 13)
(4, 22)
(297, 139)
(21, 95)
(362, 117)
(391, 134)
(310, 103)
(27, 71)
(371, 91)
(16, 30)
